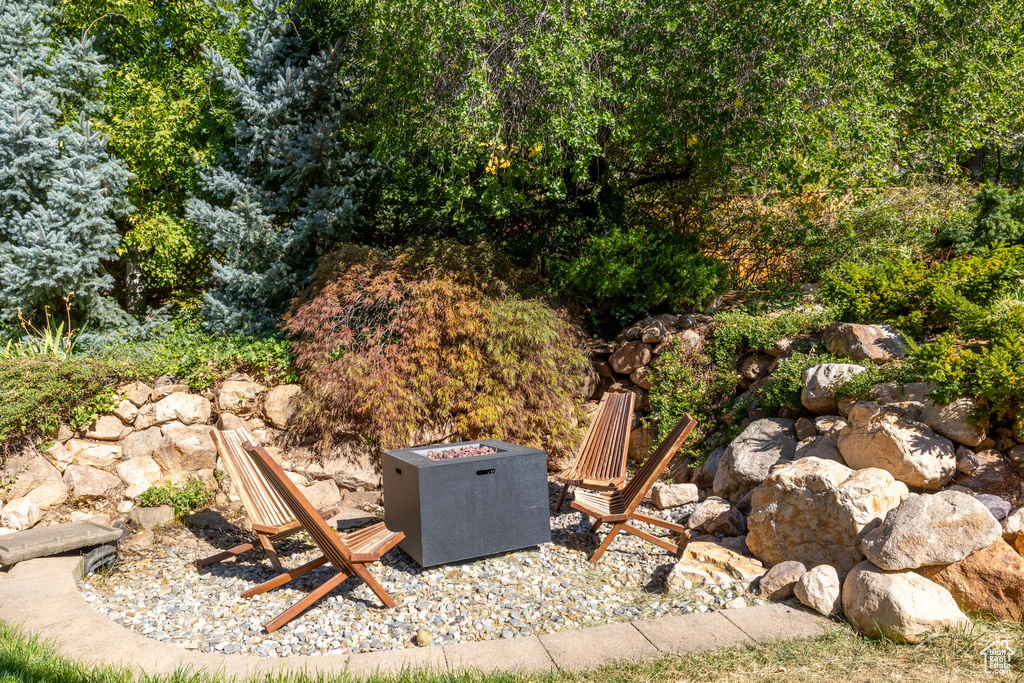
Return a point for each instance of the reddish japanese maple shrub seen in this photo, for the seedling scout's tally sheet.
(392, 343)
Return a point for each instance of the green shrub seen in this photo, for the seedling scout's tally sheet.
(625, 273)
(912, 297)
(185, 497)
(999, 218)
(390, 342)
(735, 330)
(685, 382)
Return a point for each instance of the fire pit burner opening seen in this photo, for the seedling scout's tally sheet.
(465, 451)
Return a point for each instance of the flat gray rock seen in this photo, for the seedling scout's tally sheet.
(54, 539)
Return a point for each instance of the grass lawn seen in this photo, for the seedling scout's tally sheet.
(837, 656)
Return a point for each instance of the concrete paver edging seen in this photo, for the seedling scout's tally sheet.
(41, 596)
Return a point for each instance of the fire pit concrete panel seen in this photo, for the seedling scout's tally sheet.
(459, 508)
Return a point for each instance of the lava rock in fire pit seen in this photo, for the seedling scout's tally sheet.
(461, 452)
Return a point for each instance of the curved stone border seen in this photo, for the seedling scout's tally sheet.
(42, 596)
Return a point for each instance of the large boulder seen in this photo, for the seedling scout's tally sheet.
(136, 392)
(711, 564)
(89, 483)
(819, 446)
(20, 514)
(40, 482)
(987, 468)
(888, 440)
(989, 581)
(58, 455)
(280, 404)
(956, 421)
(665, 496)
(140, 474)
(188, 409)
(903, 606)
(931, 529)
(820, 589)
(185, 450)
(322, 494)
(778, 583)
(107, 428)
(814, 511)
(629, 357)
(351, 465)
(126, 411)
(751, 455)
(142, 444)
(877, 343)
(819, 379)
(94, 453)
(239, 396)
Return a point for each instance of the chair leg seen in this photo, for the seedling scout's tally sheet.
(660, 542)
(300, 606)
(596, 525)
(227, 554)
(607, 541)
(284, 578)
(270, 552)
(363, 573)
(561, 499)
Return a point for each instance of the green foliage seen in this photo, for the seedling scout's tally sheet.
(859, 387)
(52, 340)
(164, 120)
(184, 497)
(41, 392)
(626, 272)
(734, 330)
(390, 343)
(685, 382)
(999, 219)
(912, 296)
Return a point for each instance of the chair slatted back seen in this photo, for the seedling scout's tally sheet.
(641, 482)
(264, 506)
(602, 455)
(332, 545)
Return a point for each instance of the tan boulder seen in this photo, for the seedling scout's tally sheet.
(322, 494)
(820, 589)
(126, 411)
(665, 496)
(20, 514)
(956, 421)
(186, 450)
(629, 357)
(989, 581)
(877, 343)
(908, 450)
(930, 529)
(143, 443)
(40, 482)
(146, 417)
(166, 390)
(903, 606)
(94, 453)
(641, 442)
(814, 511)
(239, 397)
(819, 380)
(711, 564)
(140, 474)
(188, 409)
(107, 428)
(89, 483)
(642, 377)
(137, 392)
(707, 511)
(778, 583)
(58, 455)
(281, 403)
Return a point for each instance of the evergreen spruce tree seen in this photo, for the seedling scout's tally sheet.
(286, 192)
(60, 189)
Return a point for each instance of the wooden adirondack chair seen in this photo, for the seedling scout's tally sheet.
(618, 508)
(348, 554)
(600, 463)
(270, 516)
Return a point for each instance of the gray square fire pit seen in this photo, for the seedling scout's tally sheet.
(459, 508)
